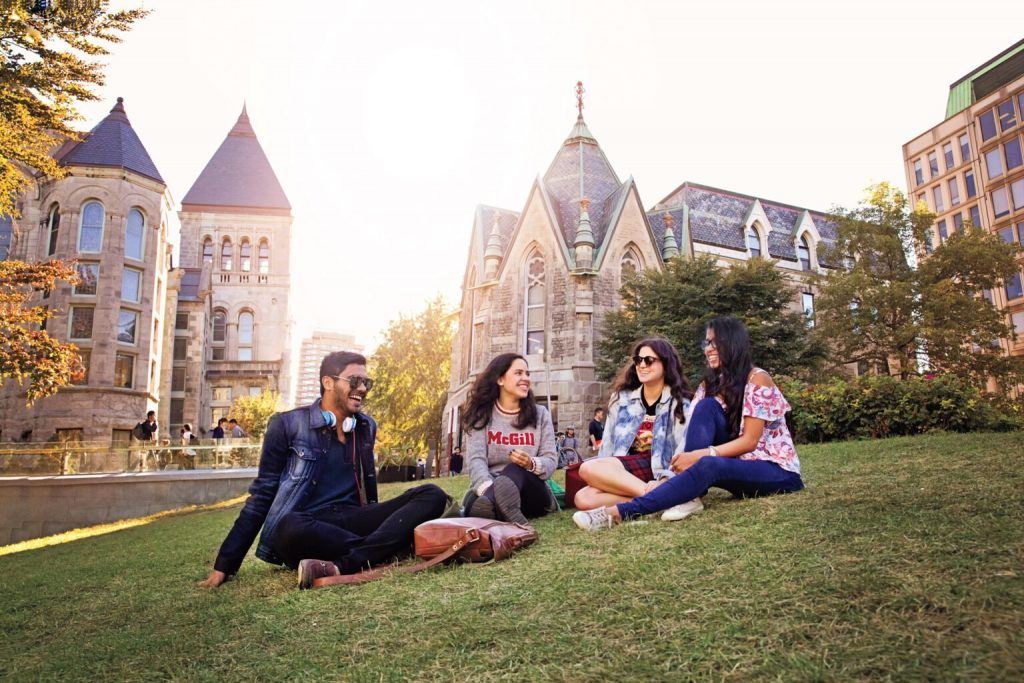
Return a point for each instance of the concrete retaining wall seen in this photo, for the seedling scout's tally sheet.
(31, 507)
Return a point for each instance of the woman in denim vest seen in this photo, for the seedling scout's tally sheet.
(645, 427)
(736, 437)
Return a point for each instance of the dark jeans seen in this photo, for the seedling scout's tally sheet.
(742, 478)
(534, 495)
(355, 537)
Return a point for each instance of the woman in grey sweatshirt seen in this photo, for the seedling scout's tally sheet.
(510, 452)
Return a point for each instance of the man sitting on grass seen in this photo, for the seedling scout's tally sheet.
(316, 491)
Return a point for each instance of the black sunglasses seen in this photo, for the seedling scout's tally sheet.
(706, 344)
(355, 382)
(645, 360)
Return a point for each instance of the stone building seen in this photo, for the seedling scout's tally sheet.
(236, 222)
(311, 354)
(540, 281)
(184, 340)
(970, 168)
(114, 214)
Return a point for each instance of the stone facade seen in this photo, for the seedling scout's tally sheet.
(541, 282)
(115, 221)
(153, 337)
(236, 225)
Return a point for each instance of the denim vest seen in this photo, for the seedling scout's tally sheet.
(294, 450)
(626, 413)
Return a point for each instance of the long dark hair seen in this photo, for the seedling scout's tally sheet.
(484, 394)
(729, 380)
(675, 380)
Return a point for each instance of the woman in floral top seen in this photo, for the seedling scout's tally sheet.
(736, 437)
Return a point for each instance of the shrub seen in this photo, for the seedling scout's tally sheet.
(882, 406)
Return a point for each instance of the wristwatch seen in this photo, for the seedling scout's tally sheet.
(712, 451)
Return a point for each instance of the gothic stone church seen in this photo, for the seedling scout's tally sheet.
(540, 282)
(181, 335)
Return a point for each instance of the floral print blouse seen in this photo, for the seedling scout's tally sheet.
(768, 404)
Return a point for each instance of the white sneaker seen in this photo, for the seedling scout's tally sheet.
(593, 520)
(682, 511)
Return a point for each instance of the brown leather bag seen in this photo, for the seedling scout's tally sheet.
(468, 539)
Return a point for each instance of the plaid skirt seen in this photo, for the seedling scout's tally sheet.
(638, 465)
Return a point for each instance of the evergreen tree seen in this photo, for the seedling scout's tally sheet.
(678, 302)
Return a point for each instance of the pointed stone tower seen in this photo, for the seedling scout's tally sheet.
(110, 213)
(236, 221)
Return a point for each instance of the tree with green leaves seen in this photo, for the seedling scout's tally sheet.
(29, 355)
(254, 412)
(884, 311)
(678, 302)
(411, 370)
(48, 52)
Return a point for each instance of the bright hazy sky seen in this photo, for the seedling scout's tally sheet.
(388, 122)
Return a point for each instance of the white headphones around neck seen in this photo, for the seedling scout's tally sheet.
(347, 425)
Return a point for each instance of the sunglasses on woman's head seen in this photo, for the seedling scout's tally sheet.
(645, 360)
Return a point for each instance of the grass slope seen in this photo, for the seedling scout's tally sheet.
(901, 561)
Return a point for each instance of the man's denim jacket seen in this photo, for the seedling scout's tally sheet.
(294, 450)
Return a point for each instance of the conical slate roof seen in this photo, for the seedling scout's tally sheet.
(238, 176)
(113, 143)
(580, 169)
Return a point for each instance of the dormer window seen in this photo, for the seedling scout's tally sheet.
(804, 253)
(753, 241)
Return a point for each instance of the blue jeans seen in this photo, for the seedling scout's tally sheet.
(742, 478)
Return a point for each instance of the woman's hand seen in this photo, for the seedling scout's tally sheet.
(521, 458)
(682, 461)
(651, 485)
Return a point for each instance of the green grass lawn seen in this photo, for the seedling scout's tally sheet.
(902, 560)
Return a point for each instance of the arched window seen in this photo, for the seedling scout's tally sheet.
(804, 253)
(90, 232)
(534, 310)
(208, 250)
(219, 334)
(245, 329)
(264, 257)
(226, 254)
(754, 241)
(245, 255)
(54, 226)
(630, 264)
(134, 235)
(219, 327)
(6, 236)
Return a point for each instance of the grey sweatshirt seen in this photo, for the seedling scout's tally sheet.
(488, 449)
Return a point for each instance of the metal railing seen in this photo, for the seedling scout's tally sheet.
(41, 459)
